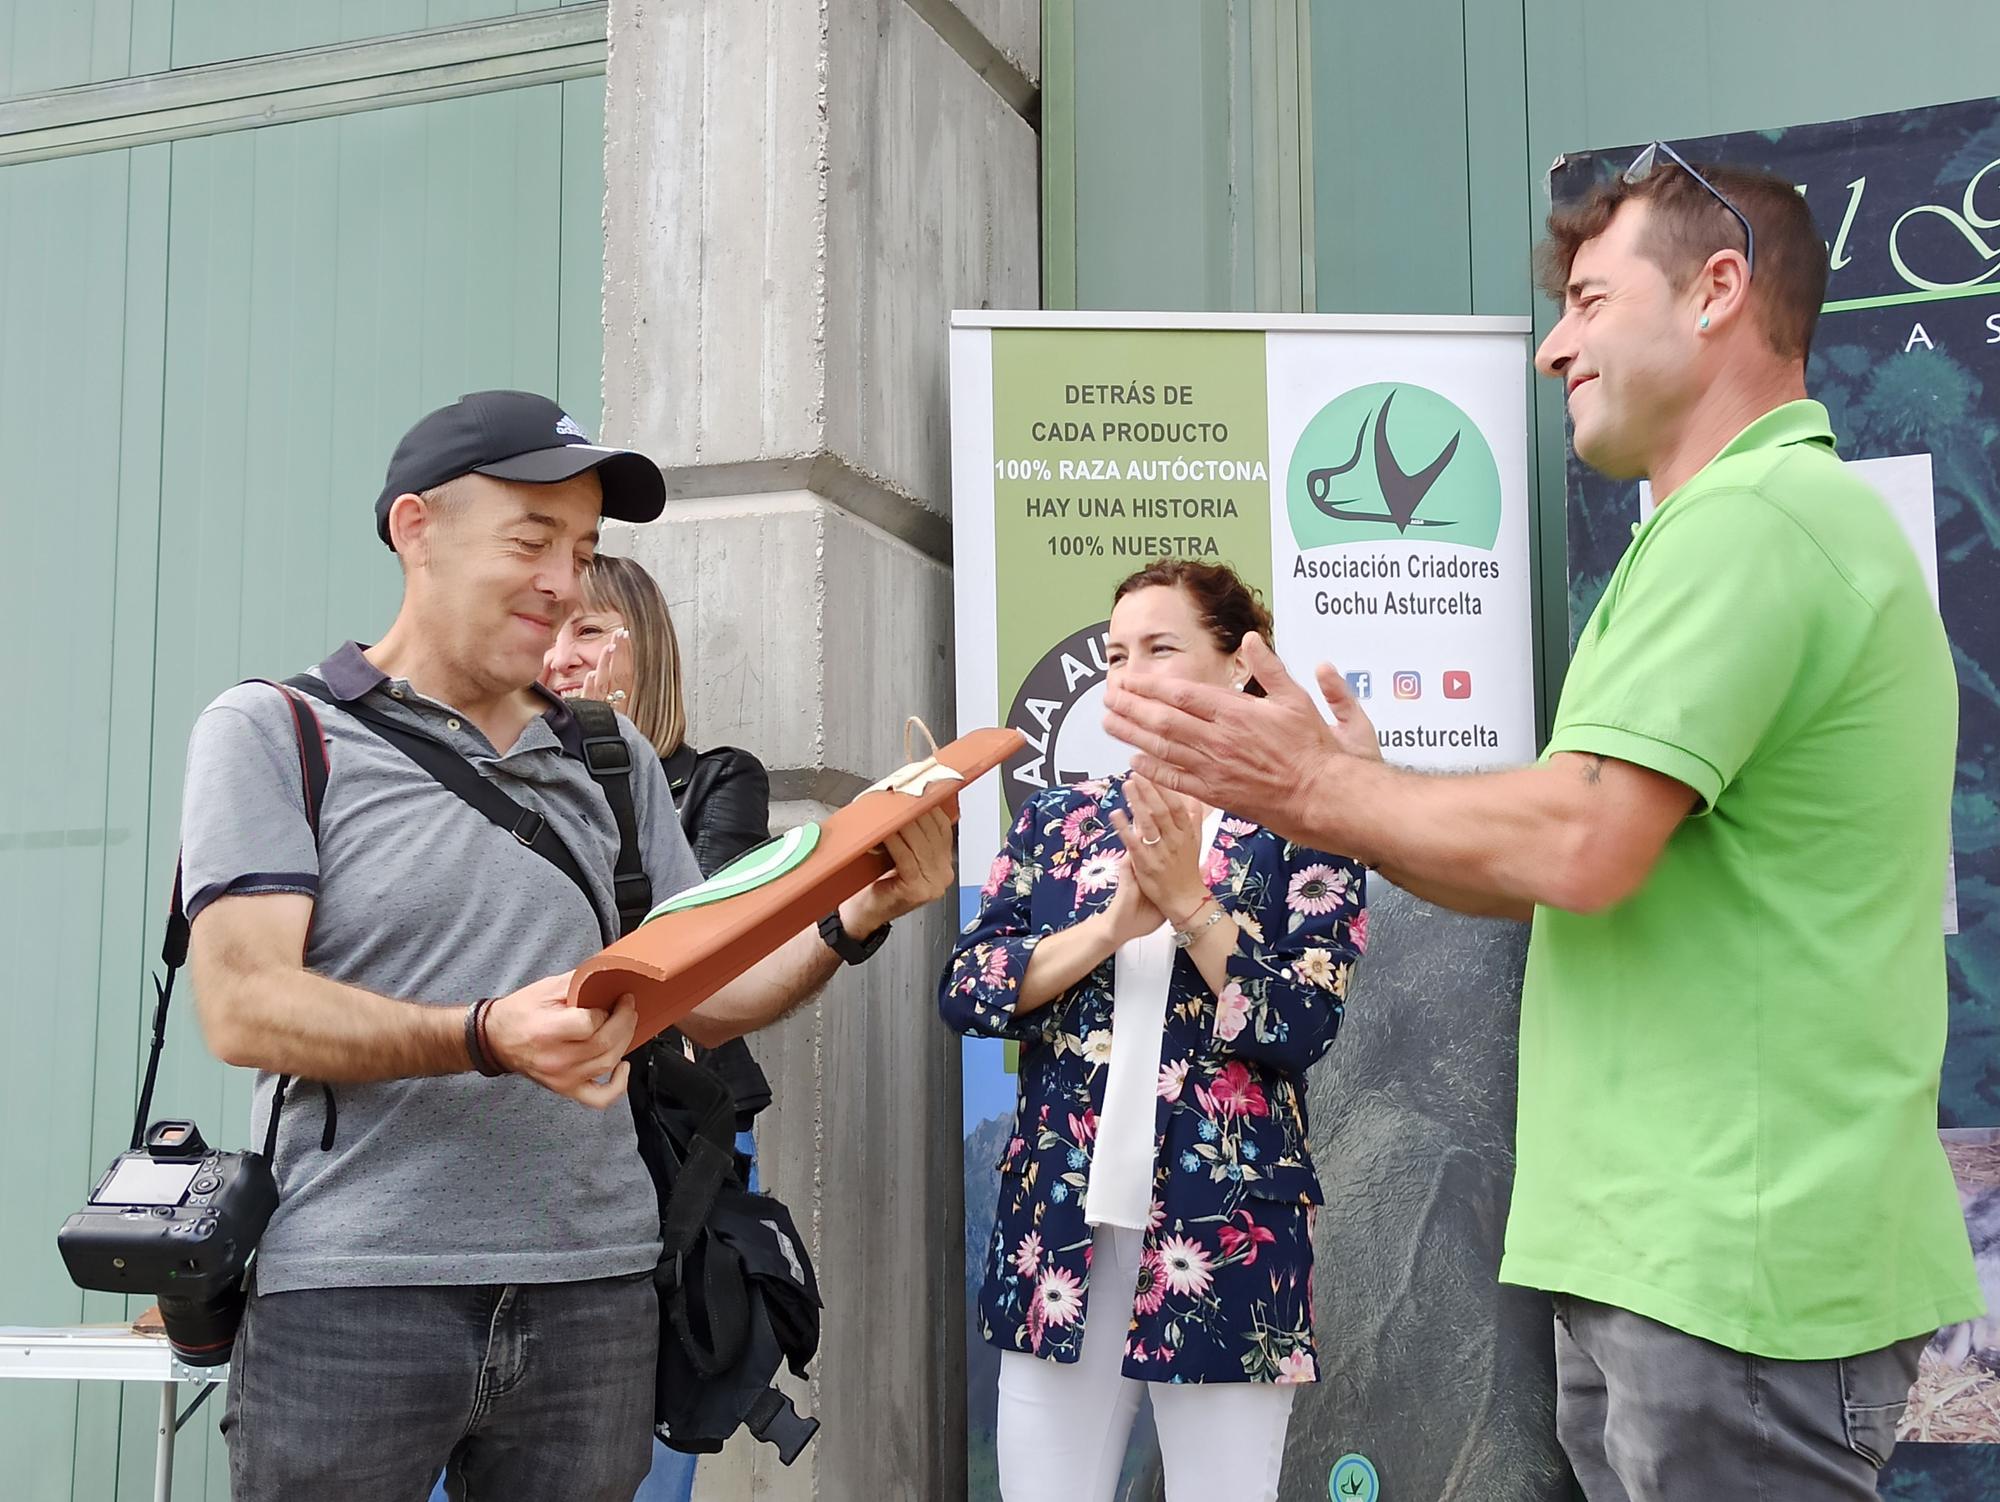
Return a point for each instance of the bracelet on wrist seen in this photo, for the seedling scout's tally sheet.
(1192, 913)
(1187, 934)
(486, 1041)
(477, 1049)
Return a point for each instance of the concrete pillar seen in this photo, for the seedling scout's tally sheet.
(797, 193)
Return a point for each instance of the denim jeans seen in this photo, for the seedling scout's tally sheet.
(1648, 1413)
(521, 1391)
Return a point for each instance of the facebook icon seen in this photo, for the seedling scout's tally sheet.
(1360, 684)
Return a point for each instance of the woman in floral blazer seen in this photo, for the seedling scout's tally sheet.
(1200, 1213)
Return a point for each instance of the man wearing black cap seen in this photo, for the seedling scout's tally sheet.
(459, 1271)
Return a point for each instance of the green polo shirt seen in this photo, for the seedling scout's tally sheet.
(1728, 1087)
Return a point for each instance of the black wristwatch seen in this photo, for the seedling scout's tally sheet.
(854, 951)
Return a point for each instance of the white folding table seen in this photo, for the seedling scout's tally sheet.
(113, 1353)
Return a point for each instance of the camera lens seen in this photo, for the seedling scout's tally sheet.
(201, 1331)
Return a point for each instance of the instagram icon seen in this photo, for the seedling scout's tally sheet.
(1409, 686)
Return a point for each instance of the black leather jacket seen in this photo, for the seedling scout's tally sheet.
(724, 798)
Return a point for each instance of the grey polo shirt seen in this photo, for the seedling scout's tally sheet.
(458, 1180)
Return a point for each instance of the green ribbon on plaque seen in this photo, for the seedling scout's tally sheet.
(749, 871)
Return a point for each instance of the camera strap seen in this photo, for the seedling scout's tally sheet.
(311, 740)
(605, 757)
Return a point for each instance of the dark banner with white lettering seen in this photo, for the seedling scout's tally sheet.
(1907, 363)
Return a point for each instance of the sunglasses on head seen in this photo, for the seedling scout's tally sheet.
(1643, 166)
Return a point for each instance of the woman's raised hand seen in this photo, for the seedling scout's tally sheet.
(1130, 914)
(1163, 847)
(611, 679)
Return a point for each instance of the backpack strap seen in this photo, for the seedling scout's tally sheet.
(458, 776)
(609, 761)
(710, 1159)
(715, 1342)
(311, 740)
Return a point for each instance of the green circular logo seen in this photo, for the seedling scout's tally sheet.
(1353, 1479)
(1390, 461)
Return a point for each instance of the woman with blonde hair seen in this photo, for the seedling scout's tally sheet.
(620, 646)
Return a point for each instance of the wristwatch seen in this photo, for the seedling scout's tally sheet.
(854, 951)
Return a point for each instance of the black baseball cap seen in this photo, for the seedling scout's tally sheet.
(516, 435)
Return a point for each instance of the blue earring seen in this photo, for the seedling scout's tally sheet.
(1704, 322)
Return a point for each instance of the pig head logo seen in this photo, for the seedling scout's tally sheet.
(1401, 493)
(1393, 461)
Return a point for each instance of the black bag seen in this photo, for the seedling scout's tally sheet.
(737, 1293)
(736, 1286)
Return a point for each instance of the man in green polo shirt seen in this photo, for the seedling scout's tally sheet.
(1733, 855)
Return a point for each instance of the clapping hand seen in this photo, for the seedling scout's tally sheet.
(1130, 914)
(1163, 847)
(1257, 757)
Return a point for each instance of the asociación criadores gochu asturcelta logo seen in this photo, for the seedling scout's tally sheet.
(1388, 461)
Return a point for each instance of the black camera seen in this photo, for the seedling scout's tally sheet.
(177, 1220)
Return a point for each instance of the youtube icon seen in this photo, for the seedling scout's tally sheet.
(1458, 685)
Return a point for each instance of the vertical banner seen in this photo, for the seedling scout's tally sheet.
(1402, 548)
(1368, 476)
(1907, 362)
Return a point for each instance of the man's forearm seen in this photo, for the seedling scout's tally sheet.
(1458, 899)
(774, 987)
(1490, 844)
(291, 1021)
(794, 974)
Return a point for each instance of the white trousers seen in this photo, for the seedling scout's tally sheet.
(1063, 1428)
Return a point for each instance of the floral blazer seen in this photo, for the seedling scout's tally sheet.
(1225, 1291)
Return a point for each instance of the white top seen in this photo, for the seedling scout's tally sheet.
(1120, 1191)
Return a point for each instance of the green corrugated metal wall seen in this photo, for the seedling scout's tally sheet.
(207, 349)
(53, 44)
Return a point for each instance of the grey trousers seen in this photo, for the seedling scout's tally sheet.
(1648, 1413)
(530, 1392)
